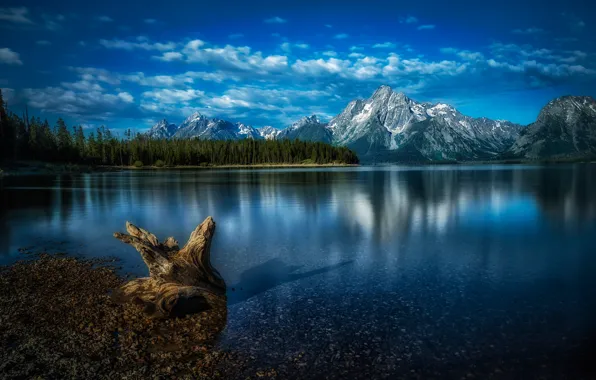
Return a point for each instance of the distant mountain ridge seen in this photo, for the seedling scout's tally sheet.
(197, 125)
(390, 127)
(565, 127)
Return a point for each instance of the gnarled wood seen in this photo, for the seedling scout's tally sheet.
(181, 281)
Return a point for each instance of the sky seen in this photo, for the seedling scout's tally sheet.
(127, 65)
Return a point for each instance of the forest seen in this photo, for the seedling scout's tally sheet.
(24, 138)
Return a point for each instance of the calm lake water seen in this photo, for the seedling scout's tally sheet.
(394, 270)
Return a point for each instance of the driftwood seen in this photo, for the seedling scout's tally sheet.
(181, 281)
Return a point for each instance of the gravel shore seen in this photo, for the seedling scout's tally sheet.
(57, 321)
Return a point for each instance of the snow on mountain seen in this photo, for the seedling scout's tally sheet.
(268, 132)
(197, 125)
(306, 129)
(246, 131)
(162, 130)
(401, 128)
(389, 126)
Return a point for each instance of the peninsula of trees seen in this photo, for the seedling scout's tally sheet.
(24, 138)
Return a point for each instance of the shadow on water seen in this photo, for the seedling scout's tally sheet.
(268, 275)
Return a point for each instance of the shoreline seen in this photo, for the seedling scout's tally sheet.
(68, 326)
(256, 166)
(32, 168)
(40, 168)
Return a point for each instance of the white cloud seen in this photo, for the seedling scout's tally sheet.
(18, 15)
(463, 54)
(140, 43)
(517, 53)
(105, 19)
(9, 57)
(287, 47)
(329, 53)
(328, 26)
(169, 56)
(316, 67)
(470, 56)
(397, 67)
(408, 20)
(92, 75)
(86, 85)
(73, 102)
(126, 97)
(355, 48)
(426, 27)
(225, 101)
(173, 96)
(341, 36)
(571, 56)
(275, 20)
(98, 75)
(216, 76)
(158, 80)
(384, 45)
(528, 31)
(552, 70)
(234, 58)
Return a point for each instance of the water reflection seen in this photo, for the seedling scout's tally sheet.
(431, 259)
(376, 206)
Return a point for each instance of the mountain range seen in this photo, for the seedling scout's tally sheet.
(390, 127)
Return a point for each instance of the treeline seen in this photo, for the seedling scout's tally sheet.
(24, 138)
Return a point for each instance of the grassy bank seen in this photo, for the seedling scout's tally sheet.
(58, 321)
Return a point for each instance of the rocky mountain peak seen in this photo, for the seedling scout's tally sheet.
(566, 127)
(382, 92)
(196, 116)
(313, 119)
(568, 107)
(162, 130)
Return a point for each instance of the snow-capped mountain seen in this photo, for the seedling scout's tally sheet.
(307, 129)
(389, 126)
(566, 127)
(268, 132)
(384, 113)
(162, 130)
(246, 131)
(197, 125)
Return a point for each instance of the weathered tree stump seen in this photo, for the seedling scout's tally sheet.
(181, 281)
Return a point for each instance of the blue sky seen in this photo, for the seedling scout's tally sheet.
(126, 65)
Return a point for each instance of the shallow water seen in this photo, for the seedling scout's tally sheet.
(390, 270)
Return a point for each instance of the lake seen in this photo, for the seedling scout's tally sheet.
(419, 271)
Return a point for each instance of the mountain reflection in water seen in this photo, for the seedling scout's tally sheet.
(416, 262)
